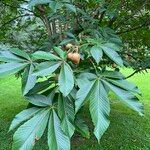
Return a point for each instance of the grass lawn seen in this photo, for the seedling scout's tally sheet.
(128, 131)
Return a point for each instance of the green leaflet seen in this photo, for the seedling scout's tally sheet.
(66, 79)
(71, 7)
(112, 54)
(54, 5)
(126, 96)
(7, 56)
(11, 68)
(33, 3)
(67, 115)
(22, 116)
(125, 85)
(97, 53)
(28, 80)
(40, 86)
(26, 135)
(38, 100)
(45, 56)
(99, 109)
(112, 75)
(85, 82)
(99, 104)
(113, 46)
(81, 127)
(57, 140)
(51, 95)
(46, 68)
(20, 53)
(83, 94)
(60, 52)
(66, 41)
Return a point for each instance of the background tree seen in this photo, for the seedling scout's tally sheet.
(23, 28)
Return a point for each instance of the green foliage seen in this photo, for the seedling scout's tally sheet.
(97, 53)
(11, 68)
(66, 79)
(93, 87)
(67, 114)
(61, 79)
(81, 127)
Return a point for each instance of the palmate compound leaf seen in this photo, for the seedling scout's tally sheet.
(96, 91)
(32, 130)
(66, 79)
(67, 115)
(57, 140)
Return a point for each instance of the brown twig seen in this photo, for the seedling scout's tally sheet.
(15, 18)
(45, 20)
(133, 29)
(133, 73)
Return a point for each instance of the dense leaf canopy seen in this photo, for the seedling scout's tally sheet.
(24, 27)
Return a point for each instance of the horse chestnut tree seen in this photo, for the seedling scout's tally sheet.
(77, 71)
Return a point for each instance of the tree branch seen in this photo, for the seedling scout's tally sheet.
(133, 73)
(45, 20)
(17, 7)
(111, 22)
(42, 12)
(133, 29)
(4, 24)
(102, 16)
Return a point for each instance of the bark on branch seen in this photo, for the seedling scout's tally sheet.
(13, 19)
(133, 29)
(45, 20)
(133, 73)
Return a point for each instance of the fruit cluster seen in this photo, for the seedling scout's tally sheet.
(73, 53)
